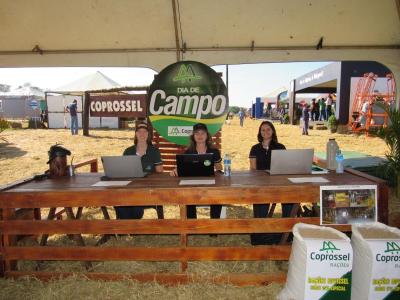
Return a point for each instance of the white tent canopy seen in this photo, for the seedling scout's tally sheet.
(142, 33)
(91, 82)
(56, 103)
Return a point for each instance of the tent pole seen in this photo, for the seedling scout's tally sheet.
(85, 115)
(178, 47)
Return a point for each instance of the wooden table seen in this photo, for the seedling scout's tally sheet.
(160, 189)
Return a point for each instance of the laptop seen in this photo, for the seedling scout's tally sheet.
(122, 167)
(292, 161)
(195, 165)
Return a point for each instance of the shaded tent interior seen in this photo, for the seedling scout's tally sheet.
(105, 33)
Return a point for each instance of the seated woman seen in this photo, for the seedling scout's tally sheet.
(260, 159)
(151, 162)
(57, 161)
(201, 143)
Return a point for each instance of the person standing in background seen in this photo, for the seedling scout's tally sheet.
(364, 112)
(322, 112)
(313, 110)
(241, 117)
(329, 101)
(73, 112)
(306, 118)
(317, 110)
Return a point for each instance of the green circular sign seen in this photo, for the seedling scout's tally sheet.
(183, 94)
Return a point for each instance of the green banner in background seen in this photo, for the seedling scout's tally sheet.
(183, 94)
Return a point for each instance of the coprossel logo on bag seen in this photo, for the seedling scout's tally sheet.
(327, 253)
(391, 253)
(183, 94)
(328, 246)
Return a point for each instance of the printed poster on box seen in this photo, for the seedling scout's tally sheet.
(348, 204)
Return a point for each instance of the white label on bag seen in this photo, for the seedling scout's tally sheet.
(328, 269)
(385, 279)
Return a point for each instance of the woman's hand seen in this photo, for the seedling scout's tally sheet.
(174, 172)
(159, 169)
(253, 164)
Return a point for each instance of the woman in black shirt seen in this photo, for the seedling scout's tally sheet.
(260, 159)
(201, 143)
(151, 163)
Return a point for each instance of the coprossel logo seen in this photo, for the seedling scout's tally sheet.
(391, 254)
(186, 74)
(392, 247)
(329, 246)
(180, 130)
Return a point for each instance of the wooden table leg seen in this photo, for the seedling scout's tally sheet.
(43, 240)
(293, 214)
(105, 237)
(9, 265)
(79, 213)
(1, 261)
(1, 248)
(271, 210)
(77, 237)
(50, 216)
(316, 209)
(105, 213)
(160, 211)
(184, 239)
(37, 214)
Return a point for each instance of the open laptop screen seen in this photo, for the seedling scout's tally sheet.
(292, 161)
(126, 166)
(195, 164)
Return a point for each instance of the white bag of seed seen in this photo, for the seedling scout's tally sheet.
(319, 264)
(376, 264)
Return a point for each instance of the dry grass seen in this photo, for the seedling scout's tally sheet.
(26, 154)
(79, 287)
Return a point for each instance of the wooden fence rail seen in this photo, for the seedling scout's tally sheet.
(158, 189)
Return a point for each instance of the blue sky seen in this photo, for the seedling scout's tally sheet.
(246, 82)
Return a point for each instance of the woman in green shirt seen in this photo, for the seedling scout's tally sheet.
(151, 162)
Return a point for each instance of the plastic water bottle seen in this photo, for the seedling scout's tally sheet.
(71, 170)
(227, 165)
(331, 149)
(339, 162)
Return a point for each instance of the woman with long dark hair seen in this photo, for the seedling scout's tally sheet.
(151, 162)
(260, 159)
(201, 143)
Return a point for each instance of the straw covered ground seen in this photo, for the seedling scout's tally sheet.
(25, 154)
(26, 150)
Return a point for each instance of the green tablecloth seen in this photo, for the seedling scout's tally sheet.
(355, 160)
